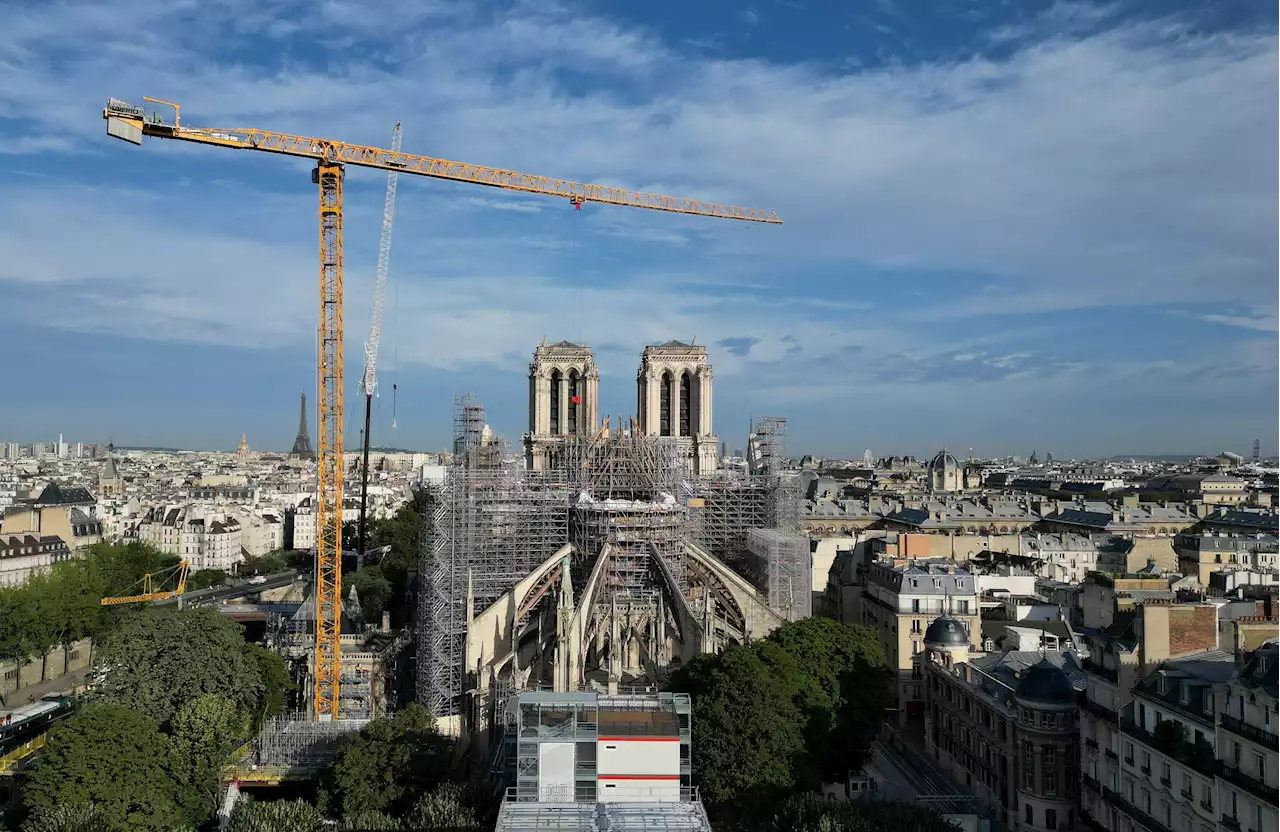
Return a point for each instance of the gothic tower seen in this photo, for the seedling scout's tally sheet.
(673, 399)
(563, 399)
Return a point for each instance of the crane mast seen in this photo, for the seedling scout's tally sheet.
(130, 123)
(369, 382)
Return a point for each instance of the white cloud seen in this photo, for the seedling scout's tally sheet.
(1127, 167)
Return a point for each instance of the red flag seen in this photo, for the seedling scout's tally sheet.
(576, 400)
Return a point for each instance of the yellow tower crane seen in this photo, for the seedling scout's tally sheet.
(130, 124)
(151, 586)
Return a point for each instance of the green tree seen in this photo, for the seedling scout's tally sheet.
(159, 658)
(202, 734)
(268, 564)
(786, 714)
(276, 816)
(277, 687)
(448, 806)
(812, 813)
(386, 766)
(69, 817)
(205, 578)
(370, 822)
(841, 684)
(747, 730)
(374, 590)
(111, 757)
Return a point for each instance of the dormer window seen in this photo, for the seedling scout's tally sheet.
(1162, 683)
(1184, 693)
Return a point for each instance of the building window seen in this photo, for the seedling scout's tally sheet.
(556, 391)
(1050, 770)
(664, 405)
(684, 404)
(1050, 818)
(1031, 818)
(963, 607)
(575, 399)
(915, 625)
(1028, 766)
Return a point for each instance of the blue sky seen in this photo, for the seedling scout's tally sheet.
(1009, 225)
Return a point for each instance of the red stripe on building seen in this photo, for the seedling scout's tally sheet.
(638, 739)
(638, 777)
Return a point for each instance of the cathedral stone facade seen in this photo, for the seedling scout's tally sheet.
(563, 399)
(673, 401)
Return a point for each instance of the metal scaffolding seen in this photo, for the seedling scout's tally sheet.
(624, 490)
(491, 522)
(767, 445)
(781, 568)
(299, 744)
(490, 526)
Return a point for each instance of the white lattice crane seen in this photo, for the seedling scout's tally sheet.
(369, 381)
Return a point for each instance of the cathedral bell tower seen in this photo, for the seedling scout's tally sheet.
(673, 399)
(563, 399)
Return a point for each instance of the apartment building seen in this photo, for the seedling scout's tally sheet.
(1003, 725)
(1247, 741)
(23, 554)
(60, 510)
(1131, 627)
(900, 600)
(1201, 554)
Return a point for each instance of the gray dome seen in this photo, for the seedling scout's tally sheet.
(1048, 683)
(945, 633)
(943, 461)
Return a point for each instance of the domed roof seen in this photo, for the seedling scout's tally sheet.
(945, 633)
(944, 461)
(1046, 682)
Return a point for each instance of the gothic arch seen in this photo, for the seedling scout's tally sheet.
(686, 404)
(557, 385)
(665, 403)
(575, 403)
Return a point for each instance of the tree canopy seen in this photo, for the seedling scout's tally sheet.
(388, 765)
(813, 813)
(276, 816)
(111, 757)
(158, 658)
(785, 714)
(203, 733)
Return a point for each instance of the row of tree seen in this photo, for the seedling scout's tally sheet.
(178, 692)
(61, 606)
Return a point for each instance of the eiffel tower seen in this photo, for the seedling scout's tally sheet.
(302, 445)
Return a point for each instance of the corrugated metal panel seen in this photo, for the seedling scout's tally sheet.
(122, 129)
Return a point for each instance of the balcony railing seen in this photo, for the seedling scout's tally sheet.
(1250, 732)
(1199, 757)
(1249, 783)
(1098, 710)
(1091, 742)
(1134, 812)
(1112, 676)
(1230, 822)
